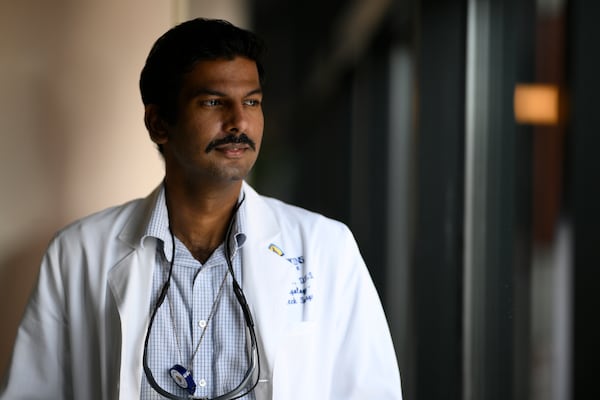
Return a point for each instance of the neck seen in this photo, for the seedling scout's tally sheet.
(199, 215)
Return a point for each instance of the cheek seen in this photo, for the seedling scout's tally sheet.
(203, 130)
(259, 126)
(258, 137)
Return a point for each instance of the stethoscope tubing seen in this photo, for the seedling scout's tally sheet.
(254, 366)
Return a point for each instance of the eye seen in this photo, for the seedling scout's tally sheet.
(211, 102)
(252, 102)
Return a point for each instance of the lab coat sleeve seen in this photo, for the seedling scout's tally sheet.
(365, 365)
(39, 368)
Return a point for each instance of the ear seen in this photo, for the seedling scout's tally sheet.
(157, 127)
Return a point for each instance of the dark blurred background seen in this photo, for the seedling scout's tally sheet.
(457, 138)
(399, 118)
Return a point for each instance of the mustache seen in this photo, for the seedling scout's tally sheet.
(240, 139)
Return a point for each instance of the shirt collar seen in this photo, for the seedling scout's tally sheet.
(158, 225)
(238, 229)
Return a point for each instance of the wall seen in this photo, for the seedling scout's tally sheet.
(71, 122)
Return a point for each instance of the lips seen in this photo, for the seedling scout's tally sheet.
(233, 150)
(232, 146)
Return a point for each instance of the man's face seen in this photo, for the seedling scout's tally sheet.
(219, 125)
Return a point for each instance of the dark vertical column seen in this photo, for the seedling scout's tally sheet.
(440, 165)
(497, 276)
(585, 137)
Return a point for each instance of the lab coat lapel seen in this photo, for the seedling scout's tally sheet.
(130, 282)
(265, 277)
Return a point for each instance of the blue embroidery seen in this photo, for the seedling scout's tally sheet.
(297, 261)
(303, 279)
(300, 292)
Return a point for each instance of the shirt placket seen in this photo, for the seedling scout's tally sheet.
(205, 289)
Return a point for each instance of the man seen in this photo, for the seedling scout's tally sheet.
(204, 289)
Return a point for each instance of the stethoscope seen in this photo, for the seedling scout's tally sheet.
(179, 373)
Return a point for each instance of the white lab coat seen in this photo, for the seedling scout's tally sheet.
(321, 330)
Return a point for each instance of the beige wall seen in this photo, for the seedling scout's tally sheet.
(71, 122)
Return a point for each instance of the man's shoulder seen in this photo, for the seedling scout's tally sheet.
(99, 224)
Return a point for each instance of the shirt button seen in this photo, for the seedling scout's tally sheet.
(202, 383)
(202, 323)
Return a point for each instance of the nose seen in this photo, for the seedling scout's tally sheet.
(236, 120)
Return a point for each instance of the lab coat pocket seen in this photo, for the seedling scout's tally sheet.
(295, 373)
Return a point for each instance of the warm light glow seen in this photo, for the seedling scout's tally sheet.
(536, 104)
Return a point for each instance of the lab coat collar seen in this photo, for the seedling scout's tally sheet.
(133, 232)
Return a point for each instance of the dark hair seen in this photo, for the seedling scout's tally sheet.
(177, 51)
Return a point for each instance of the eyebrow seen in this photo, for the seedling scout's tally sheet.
(206, 91)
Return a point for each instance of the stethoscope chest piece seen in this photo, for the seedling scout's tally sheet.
(183, 378)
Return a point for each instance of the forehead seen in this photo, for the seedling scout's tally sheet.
(222, 73)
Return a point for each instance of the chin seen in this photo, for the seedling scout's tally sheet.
(231, 174)
(228, 172)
